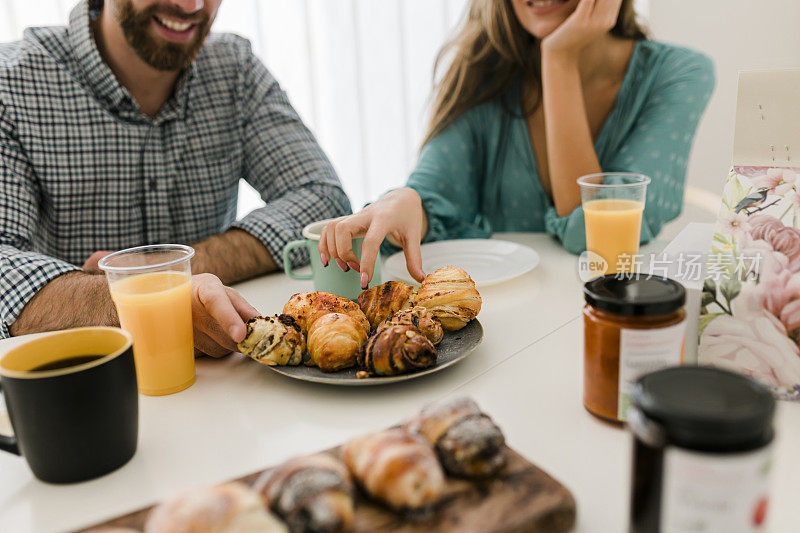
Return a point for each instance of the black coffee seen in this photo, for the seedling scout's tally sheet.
(67, 362)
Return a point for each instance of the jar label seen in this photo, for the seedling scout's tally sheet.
(715, 493)
(642, 351)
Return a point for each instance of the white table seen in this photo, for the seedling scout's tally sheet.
(240, 417)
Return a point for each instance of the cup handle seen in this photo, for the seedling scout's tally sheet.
(8, 443)
(287, 265)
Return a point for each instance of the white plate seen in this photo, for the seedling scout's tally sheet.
(488, 261)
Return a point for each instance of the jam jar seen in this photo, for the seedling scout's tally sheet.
(633, 324)
(702, 451)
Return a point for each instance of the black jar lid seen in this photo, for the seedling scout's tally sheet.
(706, 408)
(634, 294)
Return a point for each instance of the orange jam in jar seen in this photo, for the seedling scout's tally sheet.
(633, 325)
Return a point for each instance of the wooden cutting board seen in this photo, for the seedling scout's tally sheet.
(521, 498)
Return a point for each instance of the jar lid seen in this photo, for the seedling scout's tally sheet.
(635, 294)
(706, 408)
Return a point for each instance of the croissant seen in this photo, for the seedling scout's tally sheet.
(273, 340)
(298, 307)
(325, 303)
(227, 508)
(396, 350)
(421, 318)
(312, 494)
(451, 294)
(396, 467)
(466, 440)
(382, 301)
(334, 341)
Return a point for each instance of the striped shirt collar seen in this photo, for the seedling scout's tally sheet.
(99, 78)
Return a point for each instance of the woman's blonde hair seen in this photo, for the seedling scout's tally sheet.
(490, 51)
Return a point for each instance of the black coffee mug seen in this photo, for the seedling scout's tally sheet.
(73, 403)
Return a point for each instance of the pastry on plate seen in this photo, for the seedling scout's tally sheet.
(382, 301)
(298, 307)
(324, 303)
(313, 494)
(273, 340)
(227, 508)
(396, 467)
(419, 317)
(334, 341)
(467, 441)
(451, 294)
(396, 350)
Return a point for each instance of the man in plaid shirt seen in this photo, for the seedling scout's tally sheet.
(130, 127)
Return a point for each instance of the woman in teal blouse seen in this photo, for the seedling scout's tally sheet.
(506, 143)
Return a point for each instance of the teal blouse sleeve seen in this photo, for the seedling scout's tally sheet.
(658, 146)
(447, 177)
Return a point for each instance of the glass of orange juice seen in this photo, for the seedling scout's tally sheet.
(151, 287)
(613, 203)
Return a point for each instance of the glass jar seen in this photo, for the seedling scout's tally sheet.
(702, 451)
(633, 325)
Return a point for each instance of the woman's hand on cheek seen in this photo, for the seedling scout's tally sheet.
(590, 20)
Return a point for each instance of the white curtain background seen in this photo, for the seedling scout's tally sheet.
(359, 72)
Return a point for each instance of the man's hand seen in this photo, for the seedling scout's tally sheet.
(218, 315)
(91, 264)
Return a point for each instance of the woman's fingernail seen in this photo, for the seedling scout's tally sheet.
(342, 265)
(324, 259)
(354, 266)
(364, 280)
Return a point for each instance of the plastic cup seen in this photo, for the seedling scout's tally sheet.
(613, 203)
(151, 287)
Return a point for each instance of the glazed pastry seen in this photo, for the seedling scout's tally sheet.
(396, 350)
(227, 508)
(381, 302)
(396, 467)
(273, 340)
(421, 318)
(298, 307)
(324, 303)
(451, 294)
(312, 494)
(466, 440)
(334, 342)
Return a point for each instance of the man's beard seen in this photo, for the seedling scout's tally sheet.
(159, 53)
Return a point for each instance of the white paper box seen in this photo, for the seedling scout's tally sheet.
(677, 261)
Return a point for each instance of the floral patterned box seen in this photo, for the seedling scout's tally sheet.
(750, 315)
(750, 303)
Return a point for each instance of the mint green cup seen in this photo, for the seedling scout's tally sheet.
(329, 278)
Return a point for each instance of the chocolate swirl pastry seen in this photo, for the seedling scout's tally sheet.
(273, 340)
(396, 467)
(396, 350)
(382, 301)
(451, 294)
(467, 441)
(421, 318)
(312, 494)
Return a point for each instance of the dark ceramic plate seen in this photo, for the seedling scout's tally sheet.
(455, 346)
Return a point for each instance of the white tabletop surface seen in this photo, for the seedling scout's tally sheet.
(240, 417)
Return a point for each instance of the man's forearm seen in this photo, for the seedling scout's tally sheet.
(71, 300)
(232, 256)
